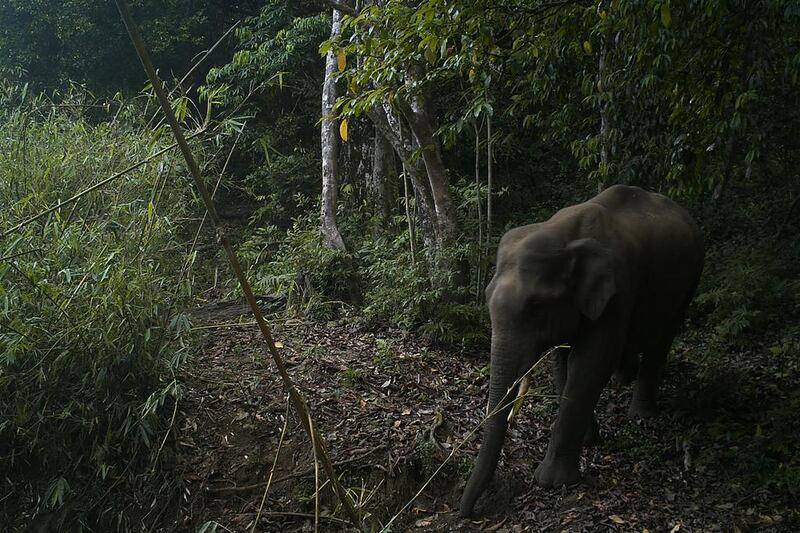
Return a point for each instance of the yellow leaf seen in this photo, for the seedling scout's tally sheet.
(341, 60)
(603, 15)
(587, 47)
(471, 74)
(343, 130)
(666, 16)
(523, 390)
(617, 519)
(278, 344)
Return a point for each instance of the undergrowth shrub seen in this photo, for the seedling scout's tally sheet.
(749, 285)
(396, 289)
(294, 264)
(89, 335)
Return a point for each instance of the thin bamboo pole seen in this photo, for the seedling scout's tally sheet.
(298, 402)
(479, 276)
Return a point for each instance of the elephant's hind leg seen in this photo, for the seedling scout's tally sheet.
(651, 372)
(645, 390)
(651, 368)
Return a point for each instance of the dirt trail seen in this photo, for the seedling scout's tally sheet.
(392, 409)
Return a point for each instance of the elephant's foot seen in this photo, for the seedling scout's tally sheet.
(643, 409)
(557, 472)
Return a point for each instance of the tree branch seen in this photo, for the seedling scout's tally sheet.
(344, 8)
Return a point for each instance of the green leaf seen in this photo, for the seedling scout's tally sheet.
(666, 16)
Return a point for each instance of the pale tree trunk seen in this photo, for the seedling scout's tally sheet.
(412, 238)
(727, 167)
(449, 273)
(329, 231)
(331, 237)
(420, 118)
(392, 128)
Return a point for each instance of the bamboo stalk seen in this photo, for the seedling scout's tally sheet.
(479, 282)
(298, 402)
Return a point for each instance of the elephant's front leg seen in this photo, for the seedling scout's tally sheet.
(560, 370)
(589, 369)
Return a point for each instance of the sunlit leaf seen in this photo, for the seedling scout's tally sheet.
(343, 130)
(587, 47)
(341, 60)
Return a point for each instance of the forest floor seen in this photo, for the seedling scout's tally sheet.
(723, 456)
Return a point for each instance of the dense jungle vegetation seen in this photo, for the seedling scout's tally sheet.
(365, 159)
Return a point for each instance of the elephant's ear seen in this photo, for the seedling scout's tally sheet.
(593, 276)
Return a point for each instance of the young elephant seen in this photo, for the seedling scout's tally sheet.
(612, 278)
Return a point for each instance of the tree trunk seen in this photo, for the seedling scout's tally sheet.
(357, 158)
(419, 116)
(331, 238)
(382, 185)
(727, 168)
(329, 134)
(392, 128)
(449, 273)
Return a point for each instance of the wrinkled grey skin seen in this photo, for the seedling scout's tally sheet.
(612, 278)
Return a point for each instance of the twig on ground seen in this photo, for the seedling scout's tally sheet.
(274, 464)
(304, 473)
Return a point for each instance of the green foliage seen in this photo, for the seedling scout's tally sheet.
(351, 377)
(312, 276)
(383, 351)
(275, 75)
(89, 335)
(397, 290)
(678, 84)
(281, 185)
(84, 40)
(748, 286)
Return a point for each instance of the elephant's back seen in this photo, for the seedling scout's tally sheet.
(669, 250)
(659, 224)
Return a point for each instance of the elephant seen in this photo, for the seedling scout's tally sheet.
(607, 282)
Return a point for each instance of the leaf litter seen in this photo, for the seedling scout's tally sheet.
(391, 409)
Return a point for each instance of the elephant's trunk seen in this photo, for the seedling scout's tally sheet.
(505, 367)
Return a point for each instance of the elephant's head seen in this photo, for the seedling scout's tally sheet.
(543, 289)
